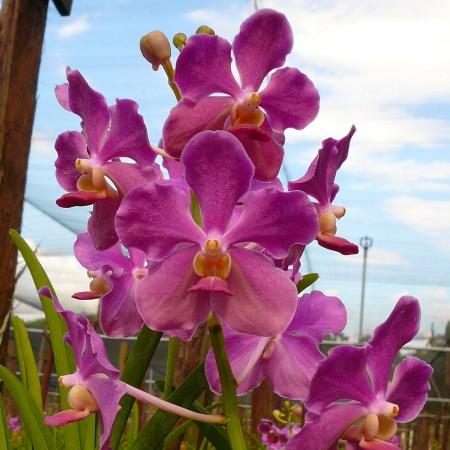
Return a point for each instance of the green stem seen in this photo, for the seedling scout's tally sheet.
(170, 367)
(228, 383)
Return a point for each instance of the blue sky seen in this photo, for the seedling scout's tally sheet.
(383, 66)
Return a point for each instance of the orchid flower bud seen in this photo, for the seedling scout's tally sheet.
(204, 29)
(179, 40)
(155, 48)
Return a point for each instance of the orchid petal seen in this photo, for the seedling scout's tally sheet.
(275, 220)
(266, 290)
(292, 365)
(409, 387)
(101, 224)
(219, 172)
(323, 434)
(337, 244)
(62, 95)
(340, 382)
(79, 198)
(91, 106)
(165, 290)
(107, 395)
(204, 68)
(263, 42)
(290, 100)
(244, 353)
(64, 417)
(401, 326)
(128, 135)
(264, 147)
(318, 315)
(119, 316)
(92, 259)
(70, 146)
(145, 220)
(187, 119)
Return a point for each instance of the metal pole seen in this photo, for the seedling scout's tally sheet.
(365, 242)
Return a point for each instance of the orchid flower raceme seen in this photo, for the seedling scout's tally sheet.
(213, 267)
(115, 277)
(88, 164)
(318, 182)
(256, 117)
(288, 359)
(350, 396)
(95, 386)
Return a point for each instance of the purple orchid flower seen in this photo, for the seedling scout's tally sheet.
(95, 384)
(14, 423)
(318, 182)
(288, 359)
(88, 164)
(350, 397)
(273, 437)
(199, 269)
(256, 117)
(115, 278)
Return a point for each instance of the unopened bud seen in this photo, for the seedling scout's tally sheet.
(204, 29)
(155, 48)
(179, 40)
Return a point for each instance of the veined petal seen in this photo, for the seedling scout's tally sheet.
(263, 42)
(62, 95)
(409, 387)
(156, 219)
(204, 68)
(92, 107)
(70, 146)
(257, 286)
(165, 290)
(219, 172)
(340, 382)
(292, 365)
(401, 326)
(323, 433)
(128, 135)
(317, 315)
(290, 100)
(275, 220)
(187, 119)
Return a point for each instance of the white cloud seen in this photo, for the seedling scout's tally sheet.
(77, 26)
(430, 217)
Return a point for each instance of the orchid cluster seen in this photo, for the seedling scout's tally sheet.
(210, 235)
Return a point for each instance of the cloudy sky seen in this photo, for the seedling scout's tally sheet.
(383, 66)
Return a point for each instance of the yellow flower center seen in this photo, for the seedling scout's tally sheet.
(212, 261)
(81, 398)
(93, 180)
(247, 111)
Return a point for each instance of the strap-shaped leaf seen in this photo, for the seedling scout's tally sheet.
(137, 364)
(63, 355)
(27, 363)
(160, 424)
(30, 414)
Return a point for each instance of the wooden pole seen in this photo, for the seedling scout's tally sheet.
(22, 25)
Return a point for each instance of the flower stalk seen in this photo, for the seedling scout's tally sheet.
(228, 382)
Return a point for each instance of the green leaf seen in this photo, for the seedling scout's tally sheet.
(30, 414)
(160, 424)
(27, 363)
(133, 374)
(307, 281)
(5, 433)
(63, 355)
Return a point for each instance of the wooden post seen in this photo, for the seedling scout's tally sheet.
(22, 25)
